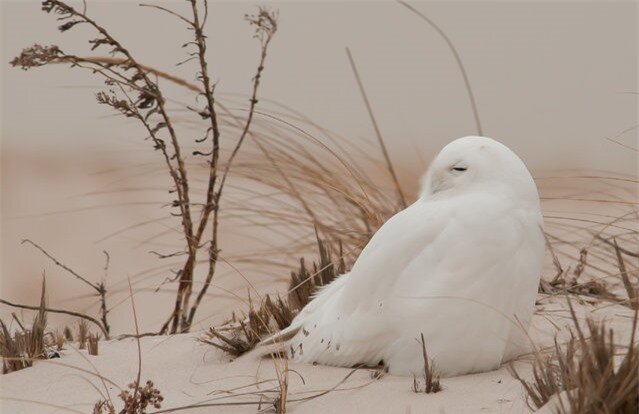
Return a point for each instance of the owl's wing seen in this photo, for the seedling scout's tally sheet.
(393, 247)
(323, 299)
(338, 319)
(477, 280)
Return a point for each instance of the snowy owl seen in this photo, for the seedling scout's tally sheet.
(461, 266)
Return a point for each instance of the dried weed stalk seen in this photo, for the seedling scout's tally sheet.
(431, 377)
(133, 93)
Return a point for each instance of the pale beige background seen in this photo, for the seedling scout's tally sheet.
(551, 79)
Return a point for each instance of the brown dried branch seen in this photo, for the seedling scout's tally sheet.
(59, 264)
(266, 26)
(152, 97)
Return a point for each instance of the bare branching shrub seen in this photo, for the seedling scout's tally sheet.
(587, 374)
(134, 93)
(431, 377)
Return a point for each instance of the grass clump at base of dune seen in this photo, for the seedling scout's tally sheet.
(21, 348)
(586, 375)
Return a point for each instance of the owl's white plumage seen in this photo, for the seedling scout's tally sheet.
(461, 266)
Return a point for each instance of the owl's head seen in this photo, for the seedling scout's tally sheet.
(478, 164)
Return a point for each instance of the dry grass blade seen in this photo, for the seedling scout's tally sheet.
(378, 133)
(305, 282)
(21, 348)
(633, 294)
(68, 334)
(93, 342)
(83, 334)
(431, 378)
(452, 48)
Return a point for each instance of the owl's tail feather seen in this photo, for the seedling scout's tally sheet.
(282, 336)
(308, 313)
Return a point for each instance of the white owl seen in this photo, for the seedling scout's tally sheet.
(461, 266)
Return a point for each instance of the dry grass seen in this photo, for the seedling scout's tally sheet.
(590, 374)
(242, 334)
(59, 340)
(68, 334)
(93, 343)
(305, 281)
(304, 182)
(431, 377)
(83, 334)
(21, 348)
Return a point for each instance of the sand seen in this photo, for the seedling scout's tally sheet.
(189, 372)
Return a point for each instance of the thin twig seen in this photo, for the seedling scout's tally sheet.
(630, 289)
(62, 265)
(378, 133)
(452, 48)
